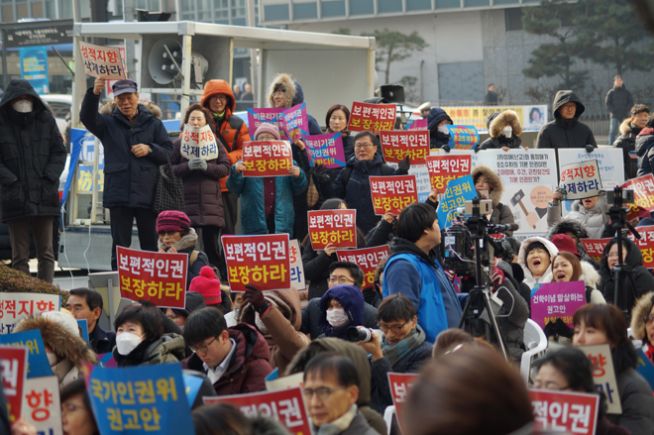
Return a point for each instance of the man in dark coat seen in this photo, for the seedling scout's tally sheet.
(135, 144)
(32, 157)
(618, 102)
(566, 131)
(87, 304)
(439, 134)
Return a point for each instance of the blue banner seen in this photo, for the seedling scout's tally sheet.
(34, 67)
(463, 137)
(456, 194)
(37, 360)
(140, 400)
(83, 326)
(645, 367)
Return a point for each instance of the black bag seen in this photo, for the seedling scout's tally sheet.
(169, 194)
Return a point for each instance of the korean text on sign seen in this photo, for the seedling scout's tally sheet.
(645, 244)
(37, 360)
(198, 143)
(399, 144)
(367, 259)
(557, 300)
(262, 261)
(41, 406)
(372, 117)
(594, 247)
(17, 306)
(643, 188)
(456, 194)
(442, 169)
(463, 137)
(286, 406)
(297, 268)
(581, 179)
(567, 412)
(139, 400)
(104, 62)
(13, 368)
(296, 122)
(326, 150)
(393, 193)
(270, 158)
(604, 375)
(400, 385)
(259, 116)
(332, 227)
(158, 277)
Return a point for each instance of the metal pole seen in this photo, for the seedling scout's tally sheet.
(251, 22)
(5, 71)
(187, 49)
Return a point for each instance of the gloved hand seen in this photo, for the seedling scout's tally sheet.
(255, 297)
(197, 165)
(446, 148)
(405, 164)
(590, 148)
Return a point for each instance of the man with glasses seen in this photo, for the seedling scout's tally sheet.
(236, 360)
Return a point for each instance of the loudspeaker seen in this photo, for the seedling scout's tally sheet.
(392, 93)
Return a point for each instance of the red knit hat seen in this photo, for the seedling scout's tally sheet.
(208, 285)
(565, 243)
(173, 220)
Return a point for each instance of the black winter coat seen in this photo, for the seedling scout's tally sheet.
(627, 142)
(129, 181)
(618, 102)
(32, 157)
(565, 133)
(644, 142)
(203, 201)
(500, 142)
(312, 317)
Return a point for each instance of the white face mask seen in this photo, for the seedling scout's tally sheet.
(443, 129)
(260, 325)
(336, 317)
(53, 359)
(507, 131)
(23, 105)
(127, 342)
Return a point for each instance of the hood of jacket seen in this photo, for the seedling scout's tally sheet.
(627, 128)
(289, 88)
(568, 226)
(508, 117)
(634, 256)
(436, 115)
(522, 255)
(167, 344)
(639, 316)
(217, 86)
(644, 141)
(494, 182)
(299, 94)
(287, 301)
(350, 297)
(18, 88)
(108, 108)
(60, 341)
(589, 275)
(563, 97)
(250, 345)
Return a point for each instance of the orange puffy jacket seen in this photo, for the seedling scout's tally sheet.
(233, 130)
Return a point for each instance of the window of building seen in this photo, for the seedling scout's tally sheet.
(388, 6)
(513, 19)
(418, 5)
(448, 4)
(305, 11)
(275, 12)
(475, 3)
(332, 8)
(506, 2)
(362, 7)
(7, 11)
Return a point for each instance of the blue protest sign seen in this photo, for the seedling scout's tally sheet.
(77, 136)
(140, 400)
(172, 125)
(83, 326)
(192, 384)
(463, 137)
(458, 191)
(37, 360)
(645, 367)
(34, 67)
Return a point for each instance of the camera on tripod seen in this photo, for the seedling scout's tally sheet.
(619, 196)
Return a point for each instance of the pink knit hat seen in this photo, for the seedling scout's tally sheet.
(267, 128)
(208, 285)
(173, 220)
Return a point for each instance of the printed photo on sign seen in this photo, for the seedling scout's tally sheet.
(565, 411)
(103, 62)
(336, 228)
(372, 117)
(198, 143)
(532, 118)
(399, 144)
(368, 259)
(392, 193)
(604, 375)
(267, 158)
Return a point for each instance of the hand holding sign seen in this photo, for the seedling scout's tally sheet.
(98, 85)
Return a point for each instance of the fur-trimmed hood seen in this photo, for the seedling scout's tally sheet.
(627, 128)
(522, 260)
(589, 275)
(186, 242)
(108, 108)
(494, 181)
(59, 340)
(288, 83)
(639, 316)
(508, 117)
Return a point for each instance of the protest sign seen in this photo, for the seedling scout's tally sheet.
(41, 406)
(139, 400)
(400, 384)
(275, 383)
(326, 150)
(368, 259)
(645, 244)
(564, 411)
(463, 137)
(17, 306)
(198, 143)
(285, 406)
(392, 193)
(645, 367)
(297, 268)
(371, 117)
(422, 181)
(399, 144)
(296, 122)
(259, 116)
(13, 369)
(443, 168)
(643, 188)
(33, 63)
(604, 375)
(102, 62)
(157, 277)
(456, 194)
(532, 118)
(267, 158)
(581, 179)
(557, 300)
(83, 326)
(529, 178)
(337, 228)
(594, 248)
(419, 124)
(37, 360)
(609, 160)
(261, 260)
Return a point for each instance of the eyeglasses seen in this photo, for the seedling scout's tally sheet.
(340, 279)
(363, 145)
(220, 97)
(649, 319)
(323, 393)
(393, 328)
(203, 348)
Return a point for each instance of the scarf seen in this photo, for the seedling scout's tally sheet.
(339, 425)
(649, 351)
(186, 242)
(395, 352)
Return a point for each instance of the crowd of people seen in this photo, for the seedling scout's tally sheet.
(344, 336)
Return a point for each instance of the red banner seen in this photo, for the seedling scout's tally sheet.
(594, 248)
(400, 384)
(267, 158)
(392, 193)
(398, 144)
(646, 245)
(157, 277)
(262, 261)
(372, 117)
(368, 259)
(13, 368)
(643, 188)
(443, 169)
(333, 227)
(565, 412)
(285, 406)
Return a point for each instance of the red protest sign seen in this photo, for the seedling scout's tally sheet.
(645, 244)
(285, 406)
(332, 227)
(103, 62)
(581, 179)
(392, 193)
(594, 248)
(13, 368)
(643, 188)
(400, 384)
(443, 169)
(267, 158)
(566, 412)
(262, 261)
(157, 277)
(367, 259)
(398, 144)
(372, 117)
